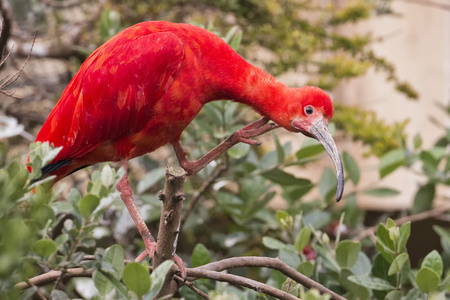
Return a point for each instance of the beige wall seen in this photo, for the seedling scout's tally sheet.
(417, 41)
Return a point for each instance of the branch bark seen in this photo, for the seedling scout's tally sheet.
(413, 218)
(169, 225)
(272, 263)
(240, 281)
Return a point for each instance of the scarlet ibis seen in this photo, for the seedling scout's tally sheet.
(140, 90)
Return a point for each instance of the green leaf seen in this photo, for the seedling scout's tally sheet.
(158, 277)
(351, 167)
(88, 204)
(357, 290)
(104, 280)
(236, 41)
(239, 150)
(371, 282)
(417, 141)
(283, 178)
(445, 237)
(382, 192)
(423, 200)
(384, 243)
(107, 176)
(275, 244)
(398, 263)
(414, 294)
(362, 266)
(102, 283)
(284, 219)
(380, 269)
(390, 223)
(290, 258)
(306, 268)
(434, 261)
(391, 161)
(327, 184)
(150, 180)
(280, 150)
(58, 295)
(302, 239)
(405, 231)
(200, 256)
(137, 278)
(394, 295)
(317, 219)
(347, 253)
(115, 256)
(310, 148)
(427, 279)
(74, 198)
(45, 248)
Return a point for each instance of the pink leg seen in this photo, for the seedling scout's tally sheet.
(243, 135)
(150, 243)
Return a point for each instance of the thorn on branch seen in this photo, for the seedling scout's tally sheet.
(161, 196)
(179, 197)
(167, 217)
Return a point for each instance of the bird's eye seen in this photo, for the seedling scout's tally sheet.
(309, 110)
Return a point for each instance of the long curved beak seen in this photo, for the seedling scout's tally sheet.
(320, 131)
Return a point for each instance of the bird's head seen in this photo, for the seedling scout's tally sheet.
(309, 113)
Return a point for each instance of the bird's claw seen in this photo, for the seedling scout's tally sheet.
(254, 129)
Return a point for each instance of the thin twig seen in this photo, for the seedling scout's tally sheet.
(273, 263)
(6, 27)
(428, 3)
(53, 275)
(37, 291)
(190, 285)
(8, 80)
(197, 196)
(169, 226)
(240, 281)
(65, 4)
(412, 218)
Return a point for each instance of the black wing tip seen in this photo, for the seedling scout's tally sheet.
(50, 168)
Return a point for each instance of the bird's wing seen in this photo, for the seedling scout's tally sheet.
(113, 93)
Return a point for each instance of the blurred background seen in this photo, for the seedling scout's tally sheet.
(386, 64)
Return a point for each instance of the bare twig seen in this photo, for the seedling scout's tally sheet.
(199, 193)
(190, 285)
(53, 275)
(8, 80)
(6, 27)
(169, 226)
(413, 218)
(65, 4)
(210, 271)
(273, 263)
(240, 281)
(428, 3)
(37, 290)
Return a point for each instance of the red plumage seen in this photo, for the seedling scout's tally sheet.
(142, 88)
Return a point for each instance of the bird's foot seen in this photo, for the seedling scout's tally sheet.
(150, 252)
(251, 130)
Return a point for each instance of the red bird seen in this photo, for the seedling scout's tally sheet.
(143, 87)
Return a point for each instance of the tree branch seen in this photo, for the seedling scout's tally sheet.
(240, 281)
(413, 218)
(198, 194)
(53, 275)
(169, 225)
(272, 263)
(210, 271)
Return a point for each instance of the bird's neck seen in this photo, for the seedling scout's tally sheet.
(253, 87)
